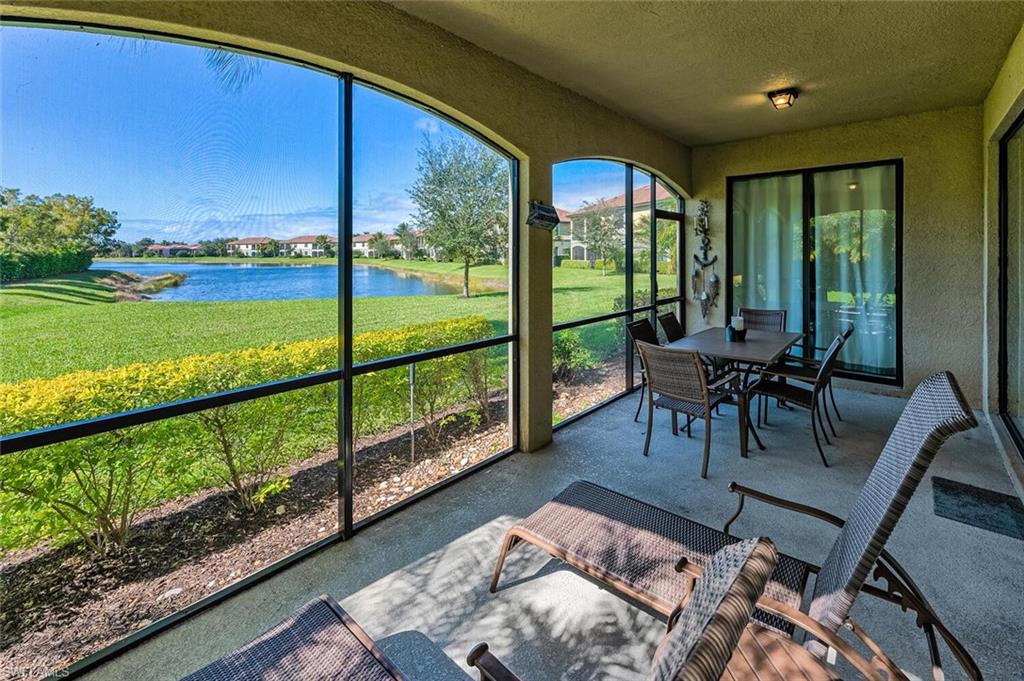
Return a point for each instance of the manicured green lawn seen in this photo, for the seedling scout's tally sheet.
(60, 324)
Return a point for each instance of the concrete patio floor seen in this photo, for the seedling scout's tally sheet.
(417, 581)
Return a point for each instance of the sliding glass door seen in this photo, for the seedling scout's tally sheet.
(824, 245)
(1011, 350)
(854, 265)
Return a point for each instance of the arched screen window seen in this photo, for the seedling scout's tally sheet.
(192, 303)
(606, 261)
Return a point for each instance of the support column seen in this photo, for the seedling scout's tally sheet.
(534, 311)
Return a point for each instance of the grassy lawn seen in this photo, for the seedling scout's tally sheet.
(71, 322)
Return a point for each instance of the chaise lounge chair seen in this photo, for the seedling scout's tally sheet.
(636, 548)
(701, 643)
(320, 641)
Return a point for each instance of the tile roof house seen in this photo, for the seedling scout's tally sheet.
(308, 245)
(249, 246)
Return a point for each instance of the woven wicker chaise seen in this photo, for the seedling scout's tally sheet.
(637, 549)
(709, 638)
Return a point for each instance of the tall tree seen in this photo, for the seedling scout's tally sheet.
(59, 220)
(324, 244)
(461, 198)
(379, 244)
(407, 239)
(602, 230)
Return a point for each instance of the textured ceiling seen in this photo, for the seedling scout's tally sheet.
(698, 70)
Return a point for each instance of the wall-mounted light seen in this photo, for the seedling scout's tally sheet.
(852, 185)
(783, 99)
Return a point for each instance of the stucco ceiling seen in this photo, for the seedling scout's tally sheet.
(698, 71)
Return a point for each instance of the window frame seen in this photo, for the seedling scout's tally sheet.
(807, 207)
(1002, 354)
(342, 374)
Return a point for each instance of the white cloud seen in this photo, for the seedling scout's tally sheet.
(428, 125)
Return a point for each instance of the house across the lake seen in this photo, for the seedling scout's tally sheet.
(249, 246)
(569, 239)
(310, 246)
(361, 245)
(167, 250)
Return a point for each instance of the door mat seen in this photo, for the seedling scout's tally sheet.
(979, 507)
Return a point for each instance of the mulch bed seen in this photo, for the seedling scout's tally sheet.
(58, 605)
(588, 388)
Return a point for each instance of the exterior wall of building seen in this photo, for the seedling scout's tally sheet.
(943, 282)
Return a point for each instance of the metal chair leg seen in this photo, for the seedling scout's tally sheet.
(707, 445)
(643, 389)
(675, 422)
(689, 420)
(758, 407)
(816, 410)
(832, 396)
(650, 421)
(817, 442)
(824, 408)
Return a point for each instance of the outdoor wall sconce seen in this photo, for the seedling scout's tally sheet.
(542, 216)
(783, 99)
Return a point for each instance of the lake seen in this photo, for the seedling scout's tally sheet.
(276, 282)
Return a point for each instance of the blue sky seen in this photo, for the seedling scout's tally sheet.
(146, 128)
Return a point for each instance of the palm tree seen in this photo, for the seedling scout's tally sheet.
(407, 238)
(379, 244)
(324, 245)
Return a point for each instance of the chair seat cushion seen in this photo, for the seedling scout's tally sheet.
(785, 391)
(765, 655)
(799, 372)
(634, 547)
(691, 408)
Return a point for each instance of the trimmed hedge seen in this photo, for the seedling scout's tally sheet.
(575, 264)
(16, 265)
(93, 488)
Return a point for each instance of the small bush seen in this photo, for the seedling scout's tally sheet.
(568, 355)
(33, 264)
(575, 264)
(608, 265)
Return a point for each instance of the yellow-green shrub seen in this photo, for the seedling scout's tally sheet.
(94, 487)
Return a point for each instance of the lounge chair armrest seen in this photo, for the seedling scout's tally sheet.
(745, 492)
(490, 667)
(829, 638)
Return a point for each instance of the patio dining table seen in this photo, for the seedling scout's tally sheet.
(761, 348)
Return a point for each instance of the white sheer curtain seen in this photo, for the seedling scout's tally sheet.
(767, 245)
(854, 227)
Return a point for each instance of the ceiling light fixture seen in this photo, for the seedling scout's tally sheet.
(783, 99)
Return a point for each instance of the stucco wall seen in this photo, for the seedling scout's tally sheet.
(537, 120)
(942, 263)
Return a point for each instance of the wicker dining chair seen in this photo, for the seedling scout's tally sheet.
(771, 385)
(677, 381)
(671, 326)
(642, 330)
(806, 369)
(763, 320)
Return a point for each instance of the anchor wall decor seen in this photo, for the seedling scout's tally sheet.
(706, 286)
